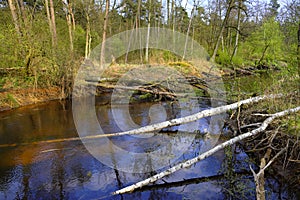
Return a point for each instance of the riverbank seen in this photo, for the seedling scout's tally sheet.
(14, 98)
(11, 98)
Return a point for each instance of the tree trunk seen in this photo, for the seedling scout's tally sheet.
(161, 125)
(259, 177)
(222, 30)
(70, 23)
(263, 54)
(102, 56)
(298, 51)
(148, 35)
(23, 14)
(138, 24)
(49, 21)
(188, 32)
(52, 13)
(14, 16)
(173, 23)
(238, 29)
(88, 33)
(187, 119)
(168, 13)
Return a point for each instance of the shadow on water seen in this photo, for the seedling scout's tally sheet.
(66, 170)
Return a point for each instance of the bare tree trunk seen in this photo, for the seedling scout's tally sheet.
(14, 16)
(298, 51)
(259, 178)
(137, 25)
(49, 21)
(52, 13)
(72, 16)
(138, 15)
(88, 32)
(173, 22)
(238, 29)
(187, 119)
(102, 56)
(222, 30)
(148, 35)
(168, 13)
(165, 124)
(188, 32)
(128, 47)
(23, 14)
(70, 23)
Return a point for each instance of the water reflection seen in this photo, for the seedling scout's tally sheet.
(66, 170)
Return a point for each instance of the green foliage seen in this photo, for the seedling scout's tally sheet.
(12, 100)
(39, 63)
(265, 43)
(223, 58)
(79, 40)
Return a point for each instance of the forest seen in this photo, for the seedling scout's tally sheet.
(43, 43)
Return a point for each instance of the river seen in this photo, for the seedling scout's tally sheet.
(31, 169)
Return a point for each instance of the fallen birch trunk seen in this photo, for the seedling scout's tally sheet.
(192, 161)
(187, 119)
(159, 126)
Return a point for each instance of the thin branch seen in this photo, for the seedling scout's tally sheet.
(271, 161)
(251, 125)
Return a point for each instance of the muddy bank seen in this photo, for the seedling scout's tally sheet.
(14, 98)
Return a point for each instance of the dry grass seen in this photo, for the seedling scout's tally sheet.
(21, 97)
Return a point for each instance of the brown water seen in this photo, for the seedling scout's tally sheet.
(66, 170)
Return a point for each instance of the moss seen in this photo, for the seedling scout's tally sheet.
(145, 96)
(199, 92)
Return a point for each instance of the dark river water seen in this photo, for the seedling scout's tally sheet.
(32, 169)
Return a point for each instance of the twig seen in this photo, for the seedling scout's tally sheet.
(271, 161)
(250, 125)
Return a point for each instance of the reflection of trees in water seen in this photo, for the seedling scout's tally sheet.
(235, 185)
(58, 174)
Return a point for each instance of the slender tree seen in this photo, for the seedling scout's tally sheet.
(148, 34)
(88, 31)
(70, 22)
(14, 16)
(53, 23)
(222, 30)
(298, 50)
(49, 22)
(237, 30)
(102, 56)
